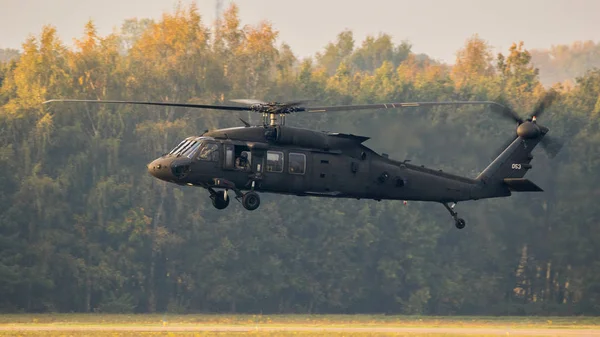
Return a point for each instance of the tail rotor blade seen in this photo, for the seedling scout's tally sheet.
(551, 145)
(544, 104)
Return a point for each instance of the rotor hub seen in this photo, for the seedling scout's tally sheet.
(275, 108)
(272, 110)
(528, 130)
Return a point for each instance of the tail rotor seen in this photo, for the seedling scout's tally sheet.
(528, 127)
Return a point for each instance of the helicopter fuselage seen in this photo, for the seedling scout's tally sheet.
(301, 162)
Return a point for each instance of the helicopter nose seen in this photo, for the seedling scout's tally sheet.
(160, 169)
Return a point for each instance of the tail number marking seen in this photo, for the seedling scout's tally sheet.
(516, 166)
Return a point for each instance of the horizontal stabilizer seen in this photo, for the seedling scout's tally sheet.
(522, 185)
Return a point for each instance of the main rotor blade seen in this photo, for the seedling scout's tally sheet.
(299, 109)
(396, 106)
(248, 101)
(298, 102)
(251, 101)
(184, 105)
(544, 104)
(505, 111)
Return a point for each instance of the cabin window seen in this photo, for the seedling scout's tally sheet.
(297, 163)
(228, 156)
(274, 161)
(209, 152)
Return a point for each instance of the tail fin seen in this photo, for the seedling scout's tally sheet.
(512, 164)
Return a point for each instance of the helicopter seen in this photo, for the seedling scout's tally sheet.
(281, 159)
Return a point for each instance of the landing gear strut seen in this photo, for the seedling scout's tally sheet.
(220, 199)
(458, 222)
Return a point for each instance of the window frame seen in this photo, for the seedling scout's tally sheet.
(303, 156)
(282, 159)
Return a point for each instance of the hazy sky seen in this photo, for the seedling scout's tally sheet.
(435, 27)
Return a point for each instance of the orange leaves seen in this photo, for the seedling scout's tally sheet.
(170, 55)
(520, 77)
(473, 62)
(260, 40)
(176, 37)
(88, 43)
(41, 70)
(94, 63)
(229, 28)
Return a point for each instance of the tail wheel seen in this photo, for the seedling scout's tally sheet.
(251, 201)
(220, 200)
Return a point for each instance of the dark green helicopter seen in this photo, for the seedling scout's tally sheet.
(276, 158)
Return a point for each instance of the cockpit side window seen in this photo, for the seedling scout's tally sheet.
(209, 151)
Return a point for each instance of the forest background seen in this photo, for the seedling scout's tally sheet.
(84, 228)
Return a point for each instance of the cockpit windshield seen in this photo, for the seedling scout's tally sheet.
(189, 148)
(183, 147)
(179, 147)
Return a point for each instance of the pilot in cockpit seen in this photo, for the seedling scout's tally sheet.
(242, 162)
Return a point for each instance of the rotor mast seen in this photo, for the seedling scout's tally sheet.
(271, 119)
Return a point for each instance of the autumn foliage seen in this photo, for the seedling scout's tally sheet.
(84, 228)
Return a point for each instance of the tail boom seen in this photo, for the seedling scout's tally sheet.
(505, 173)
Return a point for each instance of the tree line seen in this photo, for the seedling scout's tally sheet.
(84, 228)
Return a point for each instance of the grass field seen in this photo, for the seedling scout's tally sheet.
(302, 320)
(221, 334)
(290, 325)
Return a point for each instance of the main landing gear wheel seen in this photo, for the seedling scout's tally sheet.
(458, 222)
(251, 201)
(220, 199)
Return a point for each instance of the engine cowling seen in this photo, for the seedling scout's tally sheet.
(301, 137)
